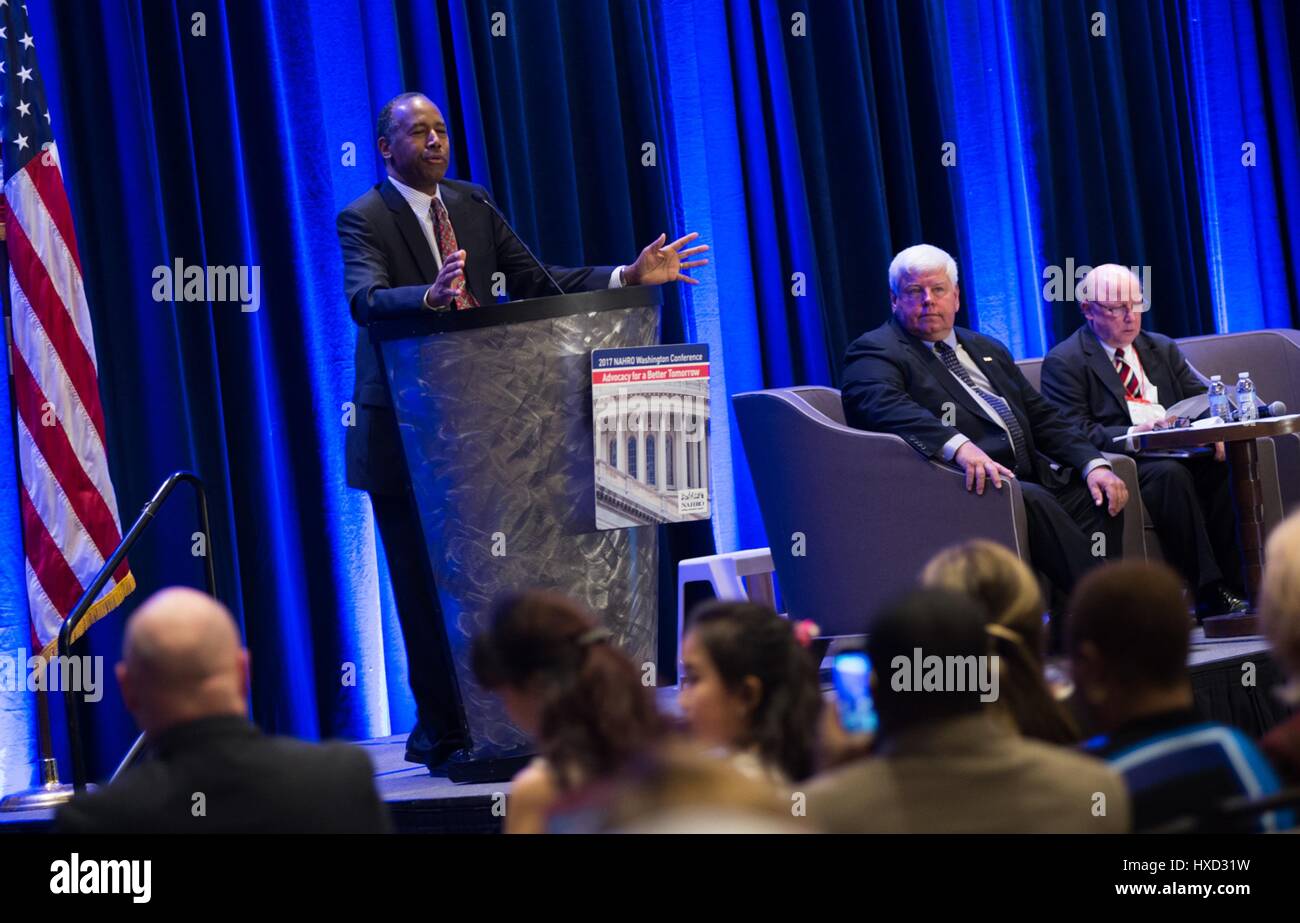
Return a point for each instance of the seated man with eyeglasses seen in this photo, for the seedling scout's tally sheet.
(958, 396)
(1118, 380)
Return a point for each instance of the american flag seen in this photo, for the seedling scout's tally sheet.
(69, 512)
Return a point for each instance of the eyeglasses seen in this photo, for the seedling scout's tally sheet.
(917, 293)
(1120, 310)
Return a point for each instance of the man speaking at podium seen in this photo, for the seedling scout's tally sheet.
(420, 242)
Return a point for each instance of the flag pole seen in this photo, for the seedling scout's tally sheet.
(49, 793)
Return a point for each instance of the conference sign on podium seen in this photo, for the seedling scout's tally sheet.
(650, 420)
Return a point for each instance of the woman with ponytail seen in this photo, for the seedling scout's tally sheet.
(749, 688)
(566, 686)
(1007, 589)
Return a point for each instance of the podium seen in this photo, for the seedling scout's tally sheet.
(494, 409)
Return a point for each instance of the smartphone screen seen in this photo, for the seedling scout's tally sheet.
(851, 674)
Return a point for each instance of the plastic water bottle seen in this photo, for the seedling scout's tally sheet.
(1247, 408)
(1219, 405)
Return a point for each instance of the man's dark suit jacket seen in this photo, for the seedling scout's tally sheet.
(250, 782)
(893, 383)
(387, 268)
(1080, 379)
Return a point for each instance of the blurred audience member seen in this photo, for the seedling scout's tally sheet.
(205, 768)
(1280, 611)
(1009, 592)
(566, 686)
(681, 788)
(750, 689)
(1129, 631)
(944, 762)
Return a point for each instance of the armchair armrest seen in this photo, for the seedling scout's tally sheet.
(1135, 513)
(852, 516)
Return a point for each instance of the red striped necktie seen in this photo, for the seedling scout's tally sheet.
(1132, 387)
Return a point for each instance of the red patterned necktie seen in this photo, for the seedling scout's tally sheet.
(442, 230)
(1132, 387)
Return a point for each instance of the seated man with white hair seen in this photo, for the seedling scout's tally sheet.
(1117, 379)
(205, 767)
(958, 396)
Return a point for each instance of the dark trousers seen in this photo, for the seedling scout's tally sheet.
(1190, 502)
(1063, 525)
(428, 658)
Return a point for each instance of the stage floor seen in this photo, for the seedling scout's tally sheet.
(1205, 650)
(421, 803)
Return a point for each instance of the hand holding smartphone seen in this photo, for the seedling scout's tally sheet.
(851, 675)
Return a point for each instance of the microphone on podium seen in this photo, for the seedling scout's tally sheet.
(484, 200)
(1275, 409)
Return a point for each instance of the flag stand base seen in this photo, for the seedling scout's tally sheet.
(49, 794)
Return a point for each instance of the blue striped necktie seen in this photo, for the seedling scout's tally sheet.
(1003, 410)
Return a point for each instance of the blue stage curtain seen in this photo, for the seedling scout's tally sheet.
(1135, 147)
(805, 141)
(18, 752)
(1140, 136)
(1069, 147)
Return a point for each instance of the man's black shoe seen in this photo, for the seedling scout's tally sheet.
(1217, 599)
(418, 745)
(443, 766)
(420, 749)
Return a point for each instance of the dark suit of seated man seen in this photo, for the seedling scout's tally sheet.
(205, 768)
(958, 397)
(1117, 380)
(420, 242)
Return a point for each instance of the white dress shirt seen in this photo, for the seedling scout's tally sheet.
(1147, 410)
(421, 203)
(1129, 354)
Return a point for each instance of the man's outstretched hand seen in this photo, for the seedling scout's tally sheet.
(660, 263)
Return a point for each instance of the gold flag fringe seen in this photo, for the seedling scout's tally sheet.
(103, 607)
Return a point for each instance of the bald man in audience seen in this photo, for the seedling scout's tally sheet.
(205, 767)
(1117, 379)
